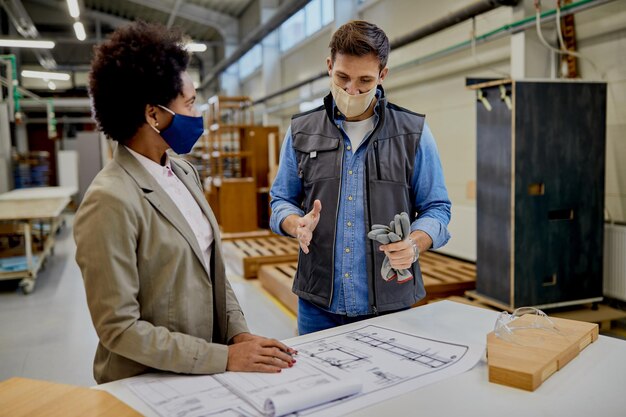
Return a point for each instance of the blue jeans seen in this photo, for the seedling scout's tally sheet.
(312, 318)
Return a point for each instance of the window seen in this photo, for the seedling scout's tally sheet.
(251, 61)
(313, 13)
(292, 31)
(306, 22)
(328, 11)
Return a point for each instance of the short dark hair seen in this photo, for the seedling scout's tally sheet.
(140, 64)
(360, 38)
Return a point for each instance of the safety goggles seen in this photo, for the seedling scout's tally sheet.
(509, 327)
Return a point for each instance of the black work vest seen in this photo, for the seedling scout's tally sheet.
(389, 160)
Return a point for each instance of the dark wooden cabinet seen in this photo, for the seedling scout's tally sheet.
(540, 192)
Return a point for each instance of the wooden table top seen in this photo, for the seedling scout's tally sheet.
(29, 397)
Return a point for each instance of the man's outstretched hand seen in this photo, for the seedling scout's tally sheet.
(307, 224)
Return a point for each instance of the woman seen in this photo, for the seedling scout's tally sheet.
(147, 242)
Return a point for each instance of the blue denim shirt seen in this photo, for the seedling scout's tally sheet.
(350, 291)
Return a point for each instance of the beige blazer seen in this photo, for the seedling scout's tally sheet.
(153, 303)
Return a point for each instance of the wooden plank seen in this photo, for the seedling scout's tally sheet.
(277, 279)
(535, 354)
(261, 233)
(28, 397)
(245, 256)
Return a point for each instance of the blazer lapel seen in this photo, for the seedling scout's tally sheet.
(217, 274)
(158, 198)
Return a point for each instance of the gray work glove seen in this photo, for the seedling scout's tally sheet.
(399, 229)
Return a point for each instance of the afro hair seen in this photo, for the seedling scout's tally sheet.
(140, 64)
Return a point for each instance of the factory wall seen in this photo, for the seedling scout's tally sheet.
(437, 88)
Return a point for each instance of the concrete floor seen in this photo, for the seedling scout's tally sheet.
(48, 334)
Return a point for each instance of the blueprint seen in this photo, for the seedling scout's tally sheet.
(334, 375)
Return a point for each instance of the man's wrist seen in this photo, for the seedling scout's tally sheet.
(416, 250)
(290, 224)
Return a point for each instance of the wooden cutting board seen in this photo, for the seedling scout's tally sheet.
(536, 353)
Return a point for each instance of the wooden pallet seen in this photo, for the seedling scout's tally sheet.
(601, 314)
(277, 279)
(245, 256)
(443, 276)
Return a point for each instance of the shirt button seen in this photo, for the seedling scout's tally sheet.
(348, 147)
(350, 172)
(338, 125)
(349, 224)
(350, 197)
(346, 275)
(347, 250)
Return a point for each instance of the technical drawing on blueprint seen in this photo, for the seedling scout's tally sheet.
(381, 357)
(384, 363)
(188, 396)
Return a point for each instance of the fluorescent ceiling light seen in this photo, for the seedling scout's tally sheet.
(61, 76)
(72, 6)
(195, 47)
(24, 43)
(79, 29)
(52, 85)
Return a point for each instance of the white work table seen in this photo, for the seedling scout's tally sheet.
(19, 209)
(593, 384)
(36, 193)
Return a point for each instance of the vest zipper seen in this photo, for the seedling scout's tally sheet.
(332, 275)
(369, 209)
(369, 215)
(377, 159)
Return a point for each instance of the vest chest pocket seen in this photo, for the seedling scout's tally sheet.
(392, 160)
(318, 157)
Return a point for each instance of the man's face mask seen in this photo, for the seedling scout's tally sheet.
(351, 105)
(183, 132)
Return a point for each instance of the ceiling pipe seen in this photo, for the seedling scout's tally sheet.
(438, 25)
(284, 12)
(452, 19)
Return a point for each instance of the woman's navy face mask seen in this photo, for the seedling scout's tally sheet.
(183, 132)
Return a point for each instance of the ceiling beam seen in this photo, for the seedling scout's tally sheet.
(225, 24)
(111, 20)
(26, 27)
(173, 14)
(287, 9)
(94, 15)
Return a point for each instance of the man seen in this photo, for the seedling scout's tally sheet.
(357, 161)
